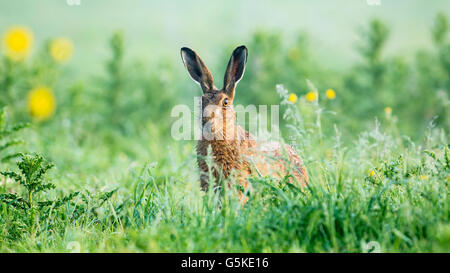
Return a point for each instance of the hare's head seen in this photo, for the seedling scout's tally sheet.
(217, 104)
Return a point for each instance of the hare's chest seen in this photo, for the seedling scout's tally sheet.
(226, 155)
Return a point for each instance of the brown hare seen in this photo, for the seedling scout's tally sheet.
(235, 152)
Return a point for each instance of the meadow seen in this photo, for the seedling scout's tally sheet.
(89, 163)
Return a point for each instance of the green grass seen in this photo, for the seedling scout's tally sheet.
(404, 206)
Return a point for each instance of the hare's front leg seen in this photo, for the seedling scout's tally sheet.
(202, 166)
(204, 174)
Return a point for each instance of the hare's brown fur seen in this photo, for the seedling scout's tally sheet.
(235, 152)
(247, 157)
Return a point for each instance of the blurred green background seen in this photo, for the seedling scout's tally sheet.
(155, 28)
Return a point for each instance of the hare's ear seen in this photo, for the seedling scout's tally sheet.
(197, 69)
(235, 69)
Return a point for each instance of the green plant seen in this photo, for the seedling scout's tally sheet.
(31, 177)
(374, 40)
(27, 210)
(433, 70)
(6, 141)
(116, 77)
(368, 77)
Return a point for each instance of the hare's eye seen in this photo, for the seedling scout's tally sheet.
(225, 102)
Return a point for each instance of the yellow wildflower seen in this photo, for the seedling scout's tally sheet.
(61, 50)
(423, 177)
(41, 103)
(292, 98)
(17, 43)
(330, 94)
(388, 111)
(372, 173)
(311, 96)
